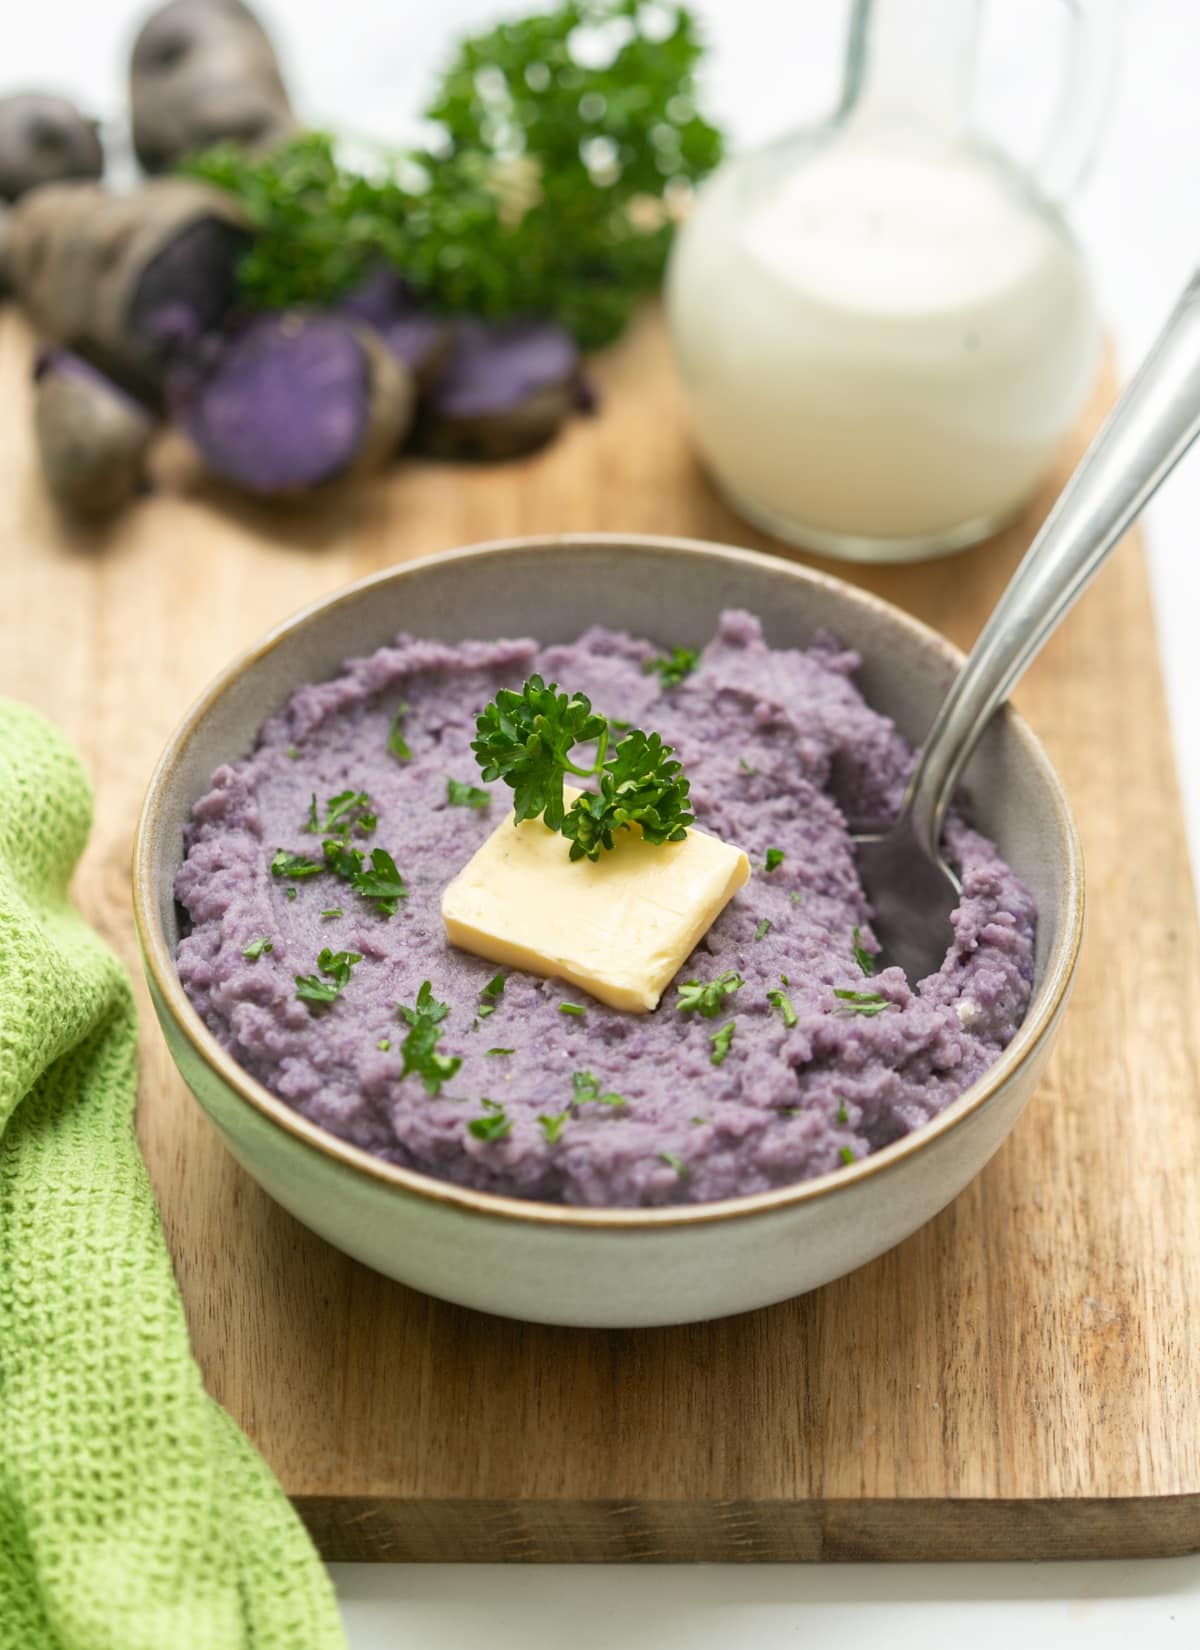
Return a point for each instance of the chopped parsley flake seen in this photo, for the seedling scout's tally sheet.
(337, 964)
(774, 859)
(780, 1000)
(862, 957)
(700, 1122)
(796, 897)
(291, 891)
(396, 743)
(862, 1002)
(490, 996)
(586, 1089)
(419, 1048)
(676, 1163)
(256, 948)
(332, 911)
(572, 1008)
(499, 1051)
(846, 1155)
(763, 929)
(293, 753)
(707, 998)
(384, 1044)
(671, 668)
(552, 1127)
(720, 1041)
(745, 766)
(461, 795)
(493, 1125)
(382, 884)
(843, 1116)
(294, 865)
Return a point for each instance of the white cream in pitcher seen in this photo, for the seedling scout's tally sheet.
(884, 342)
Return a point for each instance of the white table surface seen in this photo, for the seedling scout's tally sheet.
(363, 65)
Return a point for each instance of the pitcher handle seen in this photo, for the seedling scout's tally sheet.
(1092, 57)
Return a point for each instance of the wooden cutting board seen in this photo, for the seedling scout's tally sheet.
(1020, 1379)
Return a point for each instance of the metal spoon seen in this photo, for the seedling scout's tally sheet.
(909, 884)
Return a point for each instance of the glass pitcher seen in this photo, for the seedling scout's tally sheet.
(883, 326)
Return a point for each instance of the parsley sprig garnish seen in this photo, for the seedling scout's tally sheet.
(707, 997)
(294, 865)
(419, 1049)
(527, 738)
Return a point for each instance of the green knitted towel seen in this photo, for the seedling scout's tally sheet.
(133, 1514)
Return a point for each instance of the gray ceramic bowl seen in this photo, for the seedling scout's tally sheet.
(625, 1267)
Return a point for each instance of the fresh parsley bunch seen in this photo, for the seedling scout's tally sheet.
(566, 140)
(526, 739)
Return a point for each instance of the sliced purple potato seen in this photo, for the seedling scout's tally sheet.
(415, 336)
(92, 438)
(298, 400)
(44, 140)
(505, 389)
(204, 72)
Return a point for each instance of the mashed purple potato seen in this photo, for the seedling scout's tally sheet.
(782, 754)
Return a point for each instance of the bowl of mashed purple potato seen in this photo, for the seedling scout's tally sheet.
(502, 913)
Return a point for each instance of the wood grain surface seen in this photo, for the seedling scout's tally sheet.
(1019, 1379)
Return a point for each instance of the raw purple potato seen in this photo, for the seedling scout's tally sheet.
(388, 304)
(296, 400)
(124, 279)
(202, 72)
(505, 389)
(92, 438)
(43, 140)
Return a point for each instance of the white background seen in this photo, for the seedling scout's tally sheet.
(363, 65)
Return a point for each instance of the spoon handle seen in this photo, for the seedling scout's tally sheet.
(1144, 437)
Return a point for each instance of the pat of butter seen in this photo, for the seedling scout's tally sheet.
(619, 929)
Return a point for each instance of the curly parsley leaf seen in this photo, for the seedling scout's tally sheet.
(707, 997)
(671, 668)
(419, 1048)
(526, 739)
(640, 785)
(551, 188)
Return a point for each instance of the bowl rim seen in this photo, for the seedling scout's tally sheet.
(170, 996)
